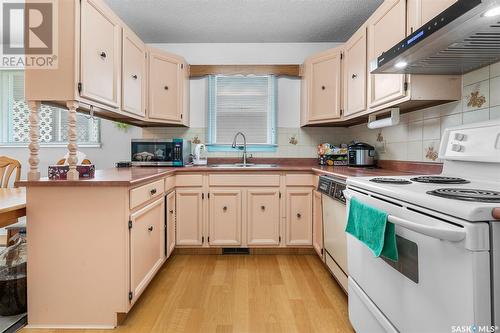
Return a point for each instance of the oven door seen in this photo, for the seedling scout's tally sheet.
(152, 151)
(437, 282)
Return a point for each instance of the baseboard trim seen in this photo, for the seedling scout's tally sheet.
(253, 251)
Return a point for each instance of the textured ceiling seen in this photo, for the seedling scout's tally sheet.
(244, 21)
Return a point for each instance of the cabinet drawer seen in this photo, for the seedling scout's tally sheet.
(238, 179)
(141, 194)
(189, 180)
(299, 179)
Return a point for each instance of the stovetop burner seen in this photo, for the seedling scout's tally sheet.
(439, 180)
(467, 194)
(398, 181)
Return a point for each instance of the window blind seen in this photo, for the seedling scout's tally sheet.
(245, 104)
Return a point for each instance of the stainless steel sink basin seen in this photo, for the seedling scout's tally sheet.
(241, 165)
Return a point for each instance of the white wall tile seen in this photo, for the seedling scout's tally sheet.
(414, 151)
(451, 108)
(495, 112)
(433, 112)
(415, 131)
(476, 76)
(432, 129)
(495, 70)
(451, 121)
(476, 116)
(495, 91)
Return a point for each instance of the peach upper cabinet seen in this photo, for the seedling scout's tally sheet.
(100, 54)
(263, 221)
(102, 65)
(422, 11)
(133, 74)
(224, 227)
(168, 74)
(386, 28)
(322, 75)
(355, 73)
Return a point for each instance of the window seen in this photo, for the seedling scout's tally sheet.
(14, 117)
(244, 104)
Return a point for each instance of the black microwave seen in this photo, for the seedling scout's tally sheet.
(160, 152)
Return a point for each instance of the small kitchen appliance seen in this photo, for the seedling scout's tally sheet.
(361, 155)
(160, 152)
(200, 155)
(448, 237)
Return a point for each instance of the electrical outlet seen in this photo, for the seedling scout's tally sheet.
(380, 147)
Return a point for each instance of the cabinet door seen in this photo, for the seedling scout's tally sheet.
(189, 217)
(317, 223)
(225, 217)
(100, 53)
(422, 11)
(324, 87)
(170, 225)
(355, 77)
(299, 216)
(386, 28)
(263, 223)
(147, 245)
(133, 74)
(165, 87)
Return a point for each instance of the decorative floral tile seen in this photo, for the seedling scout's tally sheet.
(431, 151)
(476, 96)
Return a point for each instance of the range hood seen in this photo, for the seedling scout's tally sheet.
(464, 37)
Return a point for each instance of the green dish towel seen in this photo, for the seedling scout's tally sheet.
(371, 227)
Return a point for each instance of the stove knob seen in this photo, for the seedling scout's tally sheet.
(456, 147)
(459, 136)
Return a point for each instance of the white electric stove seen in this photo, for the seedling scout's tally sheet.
(447, 277)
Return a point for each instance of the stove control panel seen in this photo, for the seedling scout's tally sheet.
(478, 142)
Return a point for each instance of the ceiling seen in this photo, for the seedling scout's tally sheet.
(244, 21)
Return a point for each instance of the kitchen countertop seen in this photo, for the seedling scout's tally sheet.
(135, 176)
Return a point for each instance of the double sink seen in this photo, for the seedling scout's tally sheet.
(243, 165)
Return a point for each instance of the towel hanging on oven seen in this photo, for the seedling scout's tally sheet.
(369, 225)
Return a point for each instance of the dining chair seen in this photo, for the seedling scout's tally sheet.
(7, 168)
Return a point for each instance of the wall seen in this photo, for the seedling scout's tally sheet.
(417, 136)
(288, 118)
(115, 147)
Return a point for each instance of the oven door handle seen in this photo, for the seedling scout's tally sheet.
(446, 234)
(439, 233)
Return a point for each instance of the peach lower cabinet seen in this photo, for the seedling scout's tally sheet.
(94, 249)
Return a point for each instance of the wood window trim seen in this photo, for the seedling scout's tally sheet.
(278, 70)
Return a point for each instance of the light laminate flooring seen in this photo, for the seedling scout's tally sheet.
(238, 293)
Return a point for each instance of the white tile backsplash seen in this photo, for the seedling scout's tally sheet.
(480, 102)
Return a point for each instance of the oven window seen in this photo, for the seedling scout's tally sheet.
(151, 152)
(408, 258)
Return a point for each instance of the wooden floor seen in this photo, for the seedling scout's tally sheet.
(253, 293)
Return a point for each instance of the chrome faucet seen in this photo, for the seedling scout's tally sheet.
(244, 146)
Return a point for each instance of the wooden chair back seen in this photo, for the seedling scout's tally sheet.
(7, 168)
